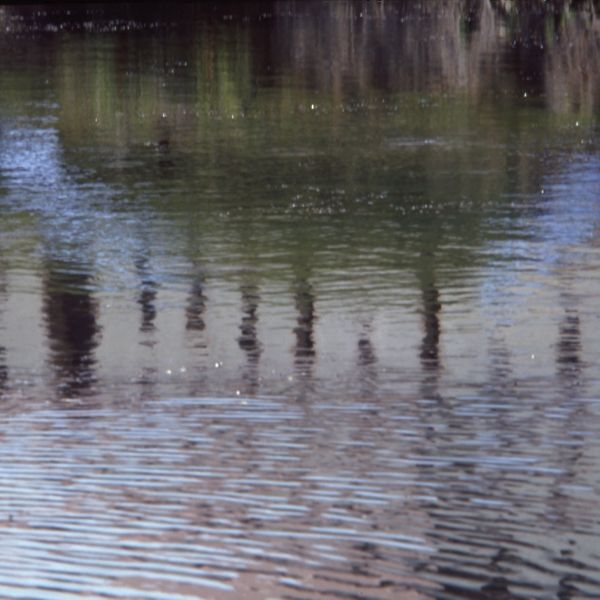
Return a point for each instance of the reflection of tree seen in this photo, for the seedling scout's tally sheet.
(570, 458)
(147, 295)
(195, 326)
(166, 109)
(431, 325)
(3, 367)
(431, 306)
(174, 112)
(248, 339)
(572, 67)
(304, 331)
(367, 363)
(70, 312)
(427, 46)
(343, 48)
(304, 348)
(196, 305)
(569, 348)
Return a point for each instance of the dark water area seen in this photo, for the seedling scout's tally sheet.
(299, 300)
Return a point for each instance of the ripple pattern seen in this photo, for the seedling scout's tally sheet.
(263, 497)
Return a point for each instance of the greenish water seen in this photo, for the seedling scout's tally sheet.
(299, 300)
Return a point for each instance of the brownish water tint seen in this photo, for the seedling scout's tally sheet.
(299, 300)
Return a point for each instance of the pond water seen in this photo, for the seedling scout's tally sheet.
(299, 300)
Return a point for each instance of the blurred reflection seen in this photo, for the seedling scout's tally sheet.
(162, 148)
(373, 46)
(359, 146)
(3, 367)
(348, 49)
(248, 339)
(148, 382)
(431, 325)
(70, 312)
(430, 343)
(196, 305)
(501, 374)
(147, 294)
(195, 326)
(502, 385)
(304, 350)
(568, 356)
(367, 364)
(570, 457)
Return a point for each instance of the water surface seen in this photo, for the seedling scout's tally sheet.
(299, 300)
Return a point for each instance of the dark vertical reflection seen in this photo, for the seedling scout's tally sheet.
(431, 322)
(147, 295)
(248, 339)
(304, 347)
(70, 313)
(195, 326)
(367, 363)
(568, 356)
(3, 370)
(430, 344)
(304, 350)
(501, 373)
(3, 367)
(570, 457)
(196, 305)
(471, 17)
(148, 382)
(503, 387)
(163, 149)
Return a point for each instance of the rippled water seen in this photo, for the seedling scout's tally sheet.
(299, 300)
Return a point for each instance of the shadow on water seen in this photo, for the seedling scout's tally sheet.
(71, 316)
